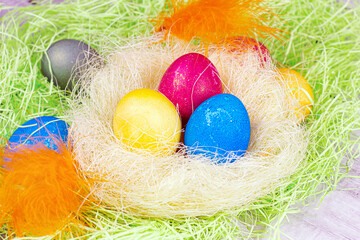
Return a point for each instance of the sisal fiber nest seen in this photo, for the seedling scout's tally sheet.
(183, 185)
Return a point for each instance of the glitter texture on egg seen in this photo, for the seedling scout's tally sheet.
(189, 81)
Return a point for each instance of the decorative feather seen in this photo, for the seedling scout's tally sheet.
(213, 21)
(41, 190)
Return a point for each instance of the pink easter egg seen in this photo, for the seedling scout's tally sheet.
(190, 80)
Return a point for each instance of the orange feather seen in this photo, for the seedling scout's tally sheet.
(41, 190)
(213, 21)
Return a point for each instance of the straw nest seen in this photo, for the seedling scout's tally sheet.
(182, 185)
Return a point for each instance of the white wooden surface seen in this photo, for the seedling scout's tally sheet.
(337, 217)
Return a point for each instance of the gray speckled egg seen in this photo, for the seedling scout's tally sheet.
(65, 61)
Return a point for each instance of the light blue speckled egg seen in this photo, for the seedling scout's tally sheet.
(219, 129)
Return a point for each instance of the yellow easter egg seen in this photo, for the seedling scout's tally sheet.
(146, 121)
(299, 89)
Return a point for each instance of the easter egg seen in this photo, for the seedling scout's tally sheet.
(189, 81)
(65, 61)
(245, 44)
(45, 130)
(147, 122)
(219, 129)
(299, 89)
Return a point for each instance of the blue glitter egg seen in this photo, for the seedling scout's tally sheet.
(45, 130)
(219, 129)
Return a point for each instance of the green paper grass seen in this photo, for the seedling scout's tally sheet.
(324, 45)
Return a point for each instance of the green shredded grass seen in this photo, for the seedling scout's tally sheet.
(324, 45)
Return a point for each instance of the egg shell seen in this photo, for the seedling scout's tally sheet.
(298, 88)
(65, 61)
(189, 81)
(219, 129)
(145, 120)
(40, 129)
(46, 130)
